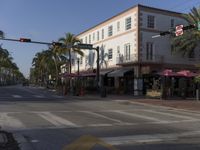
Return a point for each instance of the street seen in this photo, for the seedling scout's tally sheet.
(42, 120)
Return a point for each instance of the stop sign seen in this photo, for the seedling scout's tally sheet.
(179, 30)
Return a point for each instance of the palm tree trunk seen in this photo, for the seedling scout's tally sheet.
(70, 62)
(56, 67)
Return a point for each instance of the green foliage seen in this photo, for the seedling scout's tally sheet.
(186, 43)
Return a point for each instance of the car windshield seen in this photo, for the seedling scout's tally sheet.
(99, 75)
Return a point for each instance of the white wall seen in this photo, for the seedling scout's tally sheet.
(119, 38)
(162, 46)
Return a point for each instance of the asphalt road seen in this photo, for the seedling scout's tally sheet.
(42, 120)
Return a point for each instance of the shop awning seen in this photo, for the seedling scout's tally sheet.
(119, 72)
(104, 72)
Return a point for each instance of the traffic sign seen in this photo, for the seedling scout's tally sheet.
(84, 46)
(179, 30)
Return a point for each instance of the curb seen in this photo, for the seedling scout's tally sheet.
(165, 107)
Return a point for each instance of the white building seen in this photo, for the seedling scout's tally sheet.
(128, 49)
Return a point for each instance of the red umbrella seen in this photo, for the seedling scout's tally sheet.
(186, 73)
(168, 73)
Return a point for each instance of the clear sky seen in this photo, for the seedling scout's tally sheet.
(48, 20)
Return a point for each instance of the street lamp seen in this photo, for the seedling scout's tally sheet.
(90, 47)
(78, 62)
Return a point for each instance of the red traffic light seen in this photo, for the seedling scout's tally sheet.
(24, 40)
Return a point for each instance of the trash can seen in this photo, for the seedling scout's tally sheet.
(103, 92)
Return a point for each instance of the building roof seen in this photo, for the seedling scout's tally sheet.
(138, 5)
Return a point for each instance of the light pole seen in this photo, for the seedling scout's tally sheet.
(78, 62)
(98, 68)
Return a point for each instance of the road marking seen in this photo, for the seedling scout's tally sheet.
(140, 116)
(56, 120)
(9, 122)
(17, 96)
(39, 96)
(170, 114)
(102, 116)
(135, 139)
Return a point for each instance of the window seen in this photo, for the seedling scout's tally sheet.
(128, 23)
(149, 51)
(110, 54)
(172, 23)
(102, 34)
(110, 30)
(86, 39)
(81, 60)
(127, 51)
(118, 49)
(93, 38)
(89, 39)
(151, 21)
(97, 35)
(118, 26)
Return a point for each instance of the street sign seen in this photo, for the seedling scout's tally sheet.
(84, 46)
(179, 30)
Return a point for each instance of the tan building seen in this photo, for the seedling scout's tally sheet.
(127, 49)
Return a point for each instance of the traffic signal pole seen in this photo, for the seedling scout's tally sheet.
(178, 31)
(25, 40)
(98, 70)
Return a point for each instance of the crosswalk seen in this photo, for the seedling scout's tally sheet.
(17, 96)
(82, 118)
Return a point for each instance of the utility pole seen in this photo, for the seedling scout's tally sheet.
(78, 61)
(98, 70)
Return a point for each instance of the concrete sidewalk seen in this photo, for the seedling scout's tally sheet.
(187, 104)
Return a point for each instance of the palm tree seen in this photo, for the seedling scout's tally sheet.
(186, 43)
(48, 62)
(70, 39)
(103, 57)
(9, 70)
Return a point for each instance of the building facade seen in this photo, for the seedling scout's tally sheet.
(127, 49)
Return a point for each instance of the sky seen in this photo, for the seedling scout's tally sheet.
(48, 20)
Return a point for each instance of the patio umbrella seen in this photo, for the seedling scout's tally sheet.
(168, 73)
(186, 73)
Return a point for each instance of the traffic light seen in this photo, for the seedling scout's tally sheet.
(24, 40)
(57, 44)
(165, 33)
(189, 27)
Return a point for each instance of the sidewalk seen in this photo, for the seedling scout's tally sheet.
(187, 104)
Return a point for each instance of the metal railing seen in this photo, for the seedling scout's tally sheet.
(154, 59)
(126, 59)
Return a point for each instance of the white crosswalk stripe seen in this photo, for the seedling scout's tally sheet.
(139, 116)
(171, 114)
(39, 96)
(56, 120)
(9, 120)
(102, 116)
(16, 96)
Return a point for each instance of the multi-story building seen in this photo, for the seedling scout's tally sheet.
(127, 49)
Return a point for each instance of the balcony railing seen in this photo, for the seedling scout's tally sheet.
(126, 59)
(154, 59)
